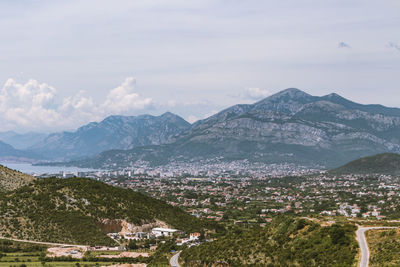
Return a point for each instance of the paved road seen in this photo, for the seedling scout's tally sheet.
(43, 243)
(174, 261)
(363, 243)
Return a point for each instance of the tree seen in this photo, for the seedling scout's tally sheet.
(132, 244)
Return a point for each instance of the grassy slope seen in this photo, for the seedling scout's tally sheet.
(68, 210)
(387, 163)
(286, 242)
(10, 179)
(384, 246)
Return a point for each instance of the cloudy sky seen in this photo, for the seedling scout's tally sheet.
(66, 63)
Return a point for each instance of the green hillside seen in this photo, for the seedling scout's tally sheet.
(10, 179)
(71, 211)
(285, 242)
(387, 163)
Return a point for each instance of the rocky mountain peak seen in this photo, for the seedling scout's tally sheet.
(168, 114)
(290, 93)
(173, 117)
(288, 101)
(333, 97)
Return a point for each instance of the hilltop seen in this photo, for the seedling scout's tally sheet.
(10, 179)
(82, 211)
(386, 163)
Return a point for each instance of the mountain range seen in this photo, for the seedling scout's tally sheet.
(21, 141)
(8, 152)
(290, 126)
(114, 132)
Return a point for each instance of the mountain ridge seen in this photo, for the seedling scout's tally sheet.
(385, 163)
(9, 153)
(113, 132)
(21, 141)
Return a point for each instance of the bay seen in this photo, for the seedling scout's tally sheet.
(40, 170)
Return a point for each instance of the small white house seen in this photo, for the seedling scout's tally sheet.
(163, 232)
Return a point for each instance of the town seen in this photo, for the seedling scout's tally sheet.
(238, 198)
(232, 199)
(216, 168)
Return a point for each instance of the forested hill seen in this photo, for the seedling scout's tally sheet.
(387, 163)
(72, 211)
(284, 242)
(10, 179)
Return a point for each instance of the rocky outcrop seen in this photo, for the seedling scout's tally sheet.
(124, 227)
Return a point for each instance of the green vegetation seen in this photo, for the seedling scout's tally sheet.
(36, 260)
(384, 246)
(285, 242)
(10, 179)
(72, 211)
(7, 246)
(160, 258)
(387, 163)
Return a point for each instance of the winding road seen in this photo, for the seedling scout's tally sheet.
(364, 245)
(174, 261)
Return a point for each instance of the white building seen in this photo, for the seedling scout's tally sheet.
(163, 232)
(194, 236)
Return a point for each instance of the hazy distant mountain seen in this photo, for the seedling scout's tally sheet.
(21, 141)
(114, 132)
(290, 126)
(386, 163)
(8, 152)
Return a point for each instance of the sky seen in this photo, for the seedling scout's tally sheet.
(66, 63)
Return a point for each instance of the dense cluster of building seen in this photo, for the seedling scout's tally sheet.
(259, 199)
(217, 168)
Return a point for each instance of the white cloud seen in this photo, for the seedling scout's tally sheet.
(123, 99)
(256, 93)
(35, 106)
